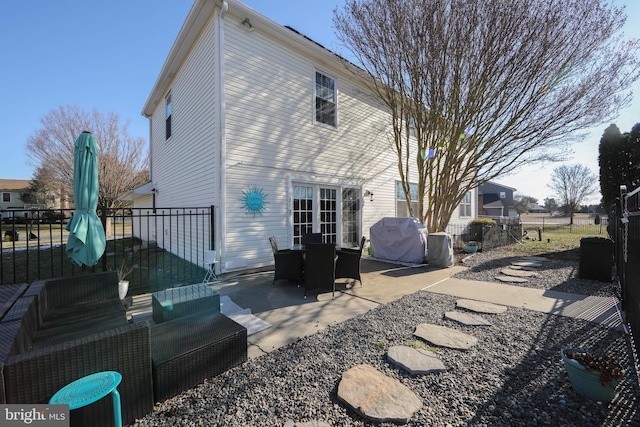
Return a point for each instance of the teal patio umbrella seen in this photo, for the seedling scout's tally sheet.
(87, 240)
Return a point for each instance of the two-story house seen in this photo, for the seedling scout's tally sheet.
(10, 191)
(495, 200)
(274, 130)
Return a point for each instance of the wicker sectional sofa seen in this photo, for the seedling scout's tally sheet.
(59, 330)
(62, 329)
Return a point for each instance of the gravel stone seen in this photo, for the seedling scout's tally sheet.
(512, 377)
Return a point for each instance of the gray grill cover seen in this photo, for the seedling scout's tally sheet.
(399, 239)
(440, 253)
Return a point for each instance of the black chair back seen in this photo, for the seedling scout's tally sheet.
(274, 244)
(348, 263)
(288, 263)
(319, 267)
(311, 238)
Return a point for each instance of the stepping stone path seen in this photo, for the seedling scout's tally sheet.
(520, 269)
(466, 318)
(415, 361)
(380, 398)
(480, 306)
(445, 337)
(376, 396)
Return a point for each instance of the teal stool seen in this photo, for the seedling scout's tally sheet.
(90, 389)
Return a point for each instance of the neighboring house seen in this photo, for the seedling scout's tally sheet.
(494, 200)
(272, 129)
(536, 208)
(10, 190)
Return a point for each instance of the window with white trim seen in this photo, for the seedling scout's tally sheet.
(465, 206)
(168, 114)
(6, 197)
(325, 99)
(402, 211)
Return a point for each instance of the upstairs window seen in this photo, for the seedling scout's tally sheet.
(168, 110)
(325, 99)
(6, 197)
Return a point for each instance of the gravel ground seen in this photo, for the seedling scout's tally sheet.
(513, 377)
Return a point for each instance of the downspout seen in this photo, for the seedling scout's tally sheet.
(222, 181)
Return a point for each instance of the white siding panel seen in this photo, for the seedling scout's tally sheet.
(185, 167)
(272, 136)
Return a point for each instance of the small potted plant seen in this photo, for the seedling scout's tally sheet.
(123, 285)
(591, 375)
(471, 247)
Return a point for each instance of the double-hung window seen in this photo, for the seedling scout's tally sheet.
(402, 211)
(325, 99)
(465, 206)
(168, 112)
(6, 197)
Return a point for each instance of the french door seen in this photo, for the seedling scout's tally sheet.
(332, 211)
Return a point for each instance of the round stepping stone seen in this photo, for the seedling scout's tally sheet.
(518, 267)
(526, 263)
(376, 396)
(511, 279)
(445, 337)
(290, 423)
(466, 318)
(535, 258)
(415, 361)
(518, 273)
(480, 306)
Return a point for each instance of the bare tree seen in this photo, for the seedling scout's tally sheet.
(478, 88)
(40, 192)
(122, 159)
(573, 184)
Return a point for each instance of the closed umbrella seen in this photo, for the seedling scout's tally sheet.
(87, 241)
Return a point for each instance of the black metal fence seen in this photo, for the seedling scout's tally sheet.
(487, 236)
(153, 248)
(624, 229)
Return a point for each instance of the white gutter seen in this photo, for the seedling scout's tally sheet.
(221, 217)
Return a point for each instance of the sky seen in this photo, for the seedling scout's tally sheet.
(106, 55)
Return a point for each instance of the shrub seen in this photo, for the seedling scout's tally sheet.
(477, 226)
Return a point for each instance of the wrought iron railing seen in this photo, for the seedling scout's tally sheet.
(159, 247)
(624, 229)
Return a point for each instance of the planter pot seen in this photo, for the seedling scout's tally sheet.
(123, 288)
(587, 383)
(470, 249)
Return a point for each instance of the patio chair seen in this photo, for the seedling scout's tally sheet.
(348, 263)
(288, 263)
(319, 267)
(311, 238)
(210, 267)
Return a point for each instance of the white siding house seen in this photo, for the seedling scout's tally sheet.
(245, 109)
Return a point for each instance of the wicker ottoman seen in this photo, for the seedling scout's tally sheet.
(189, 349)
(177, 302)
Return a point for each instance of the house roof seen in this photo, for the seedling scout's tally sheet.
(497, 185)
(234, 12)
(14, 184)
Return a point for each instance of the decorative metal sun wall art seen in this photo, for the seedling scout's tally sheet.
(254, 201)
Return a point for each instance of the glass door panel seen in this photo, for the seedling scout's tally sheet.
(329, 215)
(302, 212)
(350, 217)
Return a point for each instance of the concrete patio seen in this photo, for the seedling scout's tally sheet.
(292, 316)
